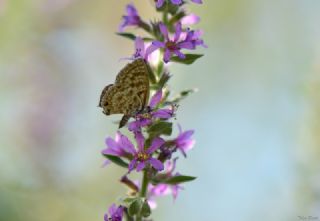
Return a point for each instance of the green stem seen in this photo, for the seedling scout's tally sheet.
(144, 186)
(165, 14)
(143, 191)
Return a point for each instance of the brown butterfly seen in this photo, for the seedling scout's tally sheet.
(129, 94)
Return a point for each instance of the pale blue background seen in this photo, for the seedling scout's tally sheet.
(256, 114)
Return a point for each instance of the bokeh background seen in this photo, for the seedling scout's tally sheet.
(256, 115)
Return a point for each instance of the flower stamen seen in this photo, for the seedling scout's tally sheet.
(142, 156)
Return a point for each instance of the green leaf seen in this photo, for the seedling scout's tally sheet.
(116, 160)
(163, 80)
(148, 39)
(131, 36)
(135, 207)
(151, 74)
(127, 35)
(129, 200)
(179, 179)
(183, 94)
(160, 128)
(160, 68)
(172, 8)
(189, 59)
(145, 210)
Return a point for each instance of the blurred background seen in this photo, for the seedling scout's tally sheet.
(256, 115)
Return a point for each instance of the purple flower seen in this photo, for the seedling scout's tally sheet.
(164, 189)
(159, 3)
(143, 120)
(142, 157)
(131, 19)
(156, 191)
(184, 142)
(194, 38)
(115, 213)
(120, 146)
(140, 51)
(140, 48)
(173, 46)
(197, 1)
(170, 167)
(153, 192)
(161, 190)
(190, 19)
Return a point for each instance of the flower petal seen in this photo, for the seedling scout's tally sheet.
(156, 98)
(180, 55)
(163, 113)
(176, 2)
(159, 44)
(156, 164)
(139, 46)
(127, 145)
(187, 45)
(167, 55)
(132, 165)
(190, 19)
(185, 135)
(135, 126)
(111, 143)
(177, 32)
(106, 163)
(145, 122)
(153, 47)
(161, 190)
(156, 144)
(123, 24)
(190, 35)
(159, 3)
(164, 31)
(188, 145)
(110, 151)
(131, 10)
(120, 211)
(197, 1)
(141, 166)
(175, 191)
(140, 140)
(171, 165)
(112, 209)
(152, 203)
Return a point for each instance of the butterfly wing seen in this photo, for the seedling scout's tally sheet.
(135, 79)
(130, 93)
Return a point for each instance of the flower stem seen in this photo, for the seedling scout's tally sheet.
(165, 15)
(144, 186)
(143, 191)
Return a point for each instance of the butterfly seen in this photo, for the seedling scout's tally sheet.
(129, 94)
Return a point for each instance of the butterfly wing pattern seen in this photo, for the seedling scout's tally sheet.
(129, 94)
